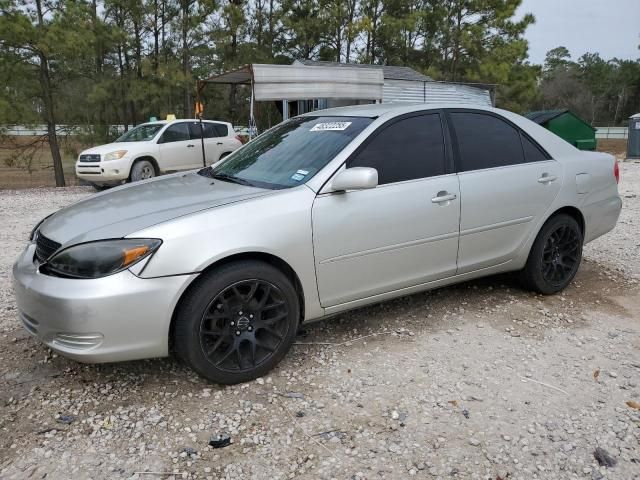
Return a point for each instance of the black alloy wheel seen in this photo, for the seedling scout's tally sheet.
(237, 321)
(244, 325)
(560, 255)
(555, 256)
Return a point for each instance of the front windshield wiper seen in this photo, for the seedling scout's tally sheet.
(230, 178)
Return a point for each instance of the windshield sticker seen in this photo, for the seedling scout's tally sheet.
(303, 172)
(297, 177)
(330, 127)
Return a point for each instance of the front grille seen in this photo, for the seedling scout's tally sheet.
(91, 157)
(45, 247)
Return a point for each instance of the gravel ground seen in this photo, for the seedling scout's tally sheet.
(481, 380)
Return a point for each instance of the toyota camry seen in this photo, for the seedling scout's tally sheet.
(324, 213)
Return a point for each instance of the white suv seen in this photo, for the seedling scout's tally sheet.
(154, 148)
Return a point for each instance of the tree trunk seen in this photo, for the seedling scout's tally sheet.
(156, 37)
(233, 91)
(271, 26)
(49, 114)
(186, 100)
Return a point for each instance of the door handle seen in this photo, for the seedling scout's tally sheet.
(443, 197)
(190, 146)
(547, 179)
(219, 143)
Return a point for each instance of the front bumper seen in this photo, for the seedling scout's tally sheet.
(101, 172)
(115, 318)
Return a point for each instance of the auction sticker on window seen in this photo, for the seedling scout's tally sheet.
(330, 127)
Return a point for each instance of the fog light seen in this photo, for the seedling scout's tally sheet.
(79, 341)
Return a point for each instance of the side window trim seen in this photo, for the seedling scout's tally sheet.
(449, 166)
(525, 135)
(397, 119)
(455, 144)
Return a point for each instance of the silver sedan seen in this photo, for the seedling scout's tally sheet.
(323, 213)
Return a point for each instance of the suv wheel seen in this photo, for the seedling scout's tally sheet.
(555, 256)
(142, 170)
(237, 322)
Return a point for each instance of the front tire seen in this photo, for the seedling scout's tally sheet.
(142, 170)
(555, 255)
(237, 322)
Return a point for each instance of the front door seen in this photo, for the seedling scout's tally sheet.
(507, 183)
(400, 234)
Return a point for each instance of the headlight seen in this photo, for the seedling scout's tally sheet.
(117, 155)
(101, 258)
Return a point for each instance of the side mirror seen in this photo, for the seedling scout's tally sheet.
(356, 178)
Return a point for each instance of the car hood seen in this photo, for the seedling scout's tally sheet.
(123, 210)
(112, 147)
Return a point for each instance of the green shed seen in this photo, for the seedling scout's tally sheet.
(566, 125)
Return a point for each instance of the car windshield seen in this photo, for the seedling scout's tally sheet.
(141, 133)
(291, 153)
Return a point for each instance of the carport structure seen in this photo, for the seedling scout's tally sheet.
(302, 88)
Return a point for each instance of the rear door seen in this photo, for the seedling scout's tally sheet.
(223, 140)
(507, 182)
(177, 149)
(214, 145)
(400, 234)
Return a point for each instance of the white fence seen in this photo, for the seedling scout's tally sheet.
(65, 130)
(62, 130)
(612, 132)
(36, 130)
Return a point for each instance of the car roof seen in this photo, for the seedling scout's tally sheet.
(379, 109)
(166, 122)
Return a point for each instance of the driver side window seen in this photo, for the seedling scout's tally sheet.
(178, 132)
(408, 149)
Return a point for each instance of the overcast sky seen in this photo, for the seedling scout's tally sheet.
(609, 27)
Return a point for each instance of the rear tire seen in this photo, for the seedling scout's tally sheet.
(237, 322)
(555, 256)
(142, 170)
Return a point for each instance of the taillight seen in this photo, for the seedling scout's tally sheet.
(239, 138)
(616, 171)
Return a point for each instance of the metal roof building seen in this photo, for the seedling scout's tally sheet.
(309, 85)
(404, 84)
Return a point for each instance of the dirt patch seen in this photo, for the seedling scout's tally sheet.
(18, 175)
(614, 146)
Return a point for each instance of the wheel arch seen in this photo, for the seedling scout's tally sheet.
(573, 212)
(148, 158)
(269, 258)
(525, 251)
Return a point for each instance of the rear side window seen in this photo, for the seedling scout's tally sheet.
(408, 149)
(211, 130)
(220, 129)
(485, 141)
(177, 132)
(532, 152)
